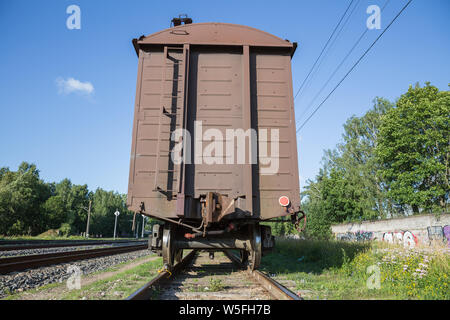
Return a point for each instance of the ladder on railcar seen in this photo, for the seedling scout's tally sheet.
(164, 178)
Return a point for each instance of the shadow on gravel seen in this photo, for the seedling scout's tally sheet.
(310, 256)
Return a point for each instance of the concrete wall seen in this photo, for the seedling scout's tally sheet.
(407, 230)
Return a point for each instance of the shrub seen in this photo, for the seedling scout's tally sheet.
(65, 230)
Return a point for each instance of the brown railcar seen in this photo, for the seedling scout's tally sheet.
(214, 148)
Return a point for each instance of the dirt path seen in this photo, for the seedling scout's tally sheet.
(56, 293)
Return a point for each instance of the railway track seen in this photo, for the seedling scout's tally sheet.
(21, 245)
(197, 277)
(20, 263)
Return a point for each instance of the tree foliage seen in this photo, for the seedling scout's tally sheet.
(394, 160)
(414, 149)
(30, 206)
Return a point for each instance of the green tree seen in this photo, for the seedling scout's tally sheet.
(54, 212)
(357, 160)
(74, 198)
(104, 204)
(30, 206)
(414, 151)
(21, 196)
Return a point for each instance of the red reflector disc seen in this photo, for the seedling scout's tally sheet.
(284, 201)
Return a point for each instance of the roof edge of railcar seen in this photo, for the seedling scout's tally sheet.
(208, 34)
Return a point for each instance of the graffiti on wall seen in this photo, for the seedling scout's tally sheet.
(446, 231)
(356, 236)
(439, 233)
(407, 238)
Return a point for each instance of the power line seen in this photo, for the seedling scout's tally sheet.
(327, 52)
(353, 67)
(323, 49)
(339, 66)
(322, 60)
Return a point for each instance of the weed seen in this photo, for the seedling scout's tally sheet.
(215, 285)
(339, 270)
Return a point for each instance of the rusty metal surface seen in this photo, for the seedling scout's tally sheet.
(239, 78)
(215, 34)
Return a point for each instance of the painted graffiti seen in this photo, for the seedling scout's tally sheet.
(356, 236)
(407, 238)
(438, 233)
(446, 230)
(410, 231)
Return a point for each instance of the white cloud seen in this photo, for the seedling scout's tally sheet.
(73, 85)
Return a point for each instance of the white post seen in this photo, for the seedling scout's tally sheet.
(115, 222)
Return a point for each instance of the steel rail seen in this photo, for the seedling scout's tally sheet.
(277, 290)
(38, 260)
(24, 246)
(274, 288)
(144, 293)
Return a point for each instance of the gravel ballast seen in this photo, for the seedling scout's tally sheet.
(33, 278)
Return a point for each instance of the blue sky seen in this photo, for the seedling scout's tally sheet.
(87, 137)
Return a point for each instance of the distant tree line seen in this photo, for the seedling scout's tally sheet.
(30, 206)
(393, 161)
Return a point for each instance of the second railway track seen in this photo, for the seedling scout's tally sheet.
(20, 263)
(198, 277)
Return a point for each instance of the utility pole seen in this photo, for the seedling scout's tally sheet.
(89, 216)
(143, 223)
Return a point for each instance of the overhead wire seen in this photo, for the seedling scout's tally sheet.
(328, 50)
(354, 65)
(323, 49)
(339, 66)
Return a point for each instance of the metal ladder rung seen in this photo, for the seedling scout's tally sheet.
(175, 48)
(164, 96)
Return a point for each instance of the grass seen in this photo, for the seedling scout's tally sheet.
(118, 286)
(347, 270)
(215, 285)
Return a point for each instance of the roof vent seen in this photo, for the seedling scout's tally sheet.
(182, 18)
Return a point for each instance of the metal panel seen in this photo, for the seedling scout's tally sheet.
(158, 112)
(217, 101)
(244, 85)
(273, 104)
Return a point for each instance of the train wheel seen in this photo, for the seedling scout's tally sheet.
(243, 256)
(179, 255)
(168, 251)
(256, 250)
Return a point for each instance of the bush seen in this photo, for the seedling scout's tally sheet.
(65, 230)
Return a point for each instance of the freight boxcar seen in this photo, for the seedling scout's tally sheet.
(214, 149)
